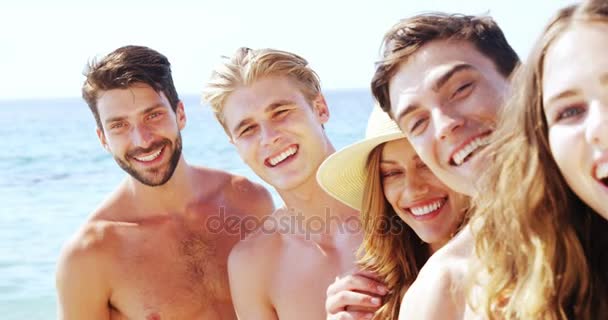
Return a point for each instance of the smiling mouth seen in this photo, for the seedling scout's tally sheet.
(433, 207)
(469, 150)
(278, 159)
(150, 157)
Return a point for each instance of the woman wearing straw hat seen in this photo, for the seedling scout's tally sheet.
(406, 212)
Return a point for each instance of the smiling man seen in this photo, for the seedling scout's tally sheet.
(147, 251)
(443, 78)
(272, 109)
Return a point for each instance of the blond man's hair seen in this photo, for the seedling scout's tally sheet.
(247, 66)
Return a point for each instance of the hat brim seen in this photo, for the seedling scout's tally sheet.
(342, 175)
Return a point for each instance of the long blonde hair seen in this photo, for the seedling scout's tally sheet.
(542, 252)
(390, 248)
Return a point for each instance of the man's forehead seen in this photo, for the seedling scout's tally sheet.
(247, 102)
(128, 100)
(439, 52)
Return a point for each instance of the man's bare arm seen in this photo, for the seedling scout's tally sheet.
(248, 278)
(83, 291)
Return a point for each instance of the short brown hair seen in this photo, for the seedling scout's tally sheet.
(409, 35)
(248, 65)
(124, 67)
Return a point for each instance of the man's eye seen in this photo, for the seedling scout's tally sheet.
(417, 124)
(246, 130)
(281, 112)
(117, 125)
(154, 115)
(463, 90)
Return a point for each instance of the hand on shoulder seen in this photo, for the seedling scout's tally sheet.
(354, 296)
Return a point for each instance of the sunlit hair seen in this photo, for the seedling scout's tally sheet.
(542, 251)
(407, 36)
(247, 66)
(390, 248)
(124, 67)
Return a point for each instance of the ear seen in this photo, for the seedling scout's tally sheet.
(180, 114)
(102, 139)
(320, 108)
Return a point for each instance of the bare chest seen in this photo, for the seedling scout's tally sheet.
(167, 276)
(302, 279)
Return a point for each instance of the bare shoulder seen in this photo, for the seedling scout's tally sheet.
(84, 258)
(94, 241)
(259, 248)
(243, 188)
(439, 289)
(241, 193)
(95, 238)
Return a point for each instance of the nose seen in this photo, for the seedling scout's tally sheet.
(596, 130)
(142, 136)
(269, 134)
(414, 188)
(445, 125)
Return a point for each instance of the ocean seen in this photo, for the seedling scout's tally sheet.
(55, 173)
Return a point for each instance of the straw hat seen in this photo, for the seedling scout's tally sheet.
(342, 174)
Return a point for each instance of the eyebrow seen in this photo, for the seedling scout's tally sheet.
(269, 108)
(562, 95)
(388, 161)
(439, 83)
(407, 110)
(120, 118)
(455, 69)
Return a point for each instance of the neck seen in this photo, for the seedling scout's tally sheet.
(433, 247)
(317, 214)
(169, 198)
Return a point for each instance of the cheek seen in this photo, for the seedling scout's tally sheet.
(432, 182)
(116, 144)
(246, 151)
(391, 193)
(422, 144)
(486, 104)
(565, 146)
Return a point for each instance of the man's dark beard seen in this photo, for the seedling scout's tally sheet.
(151, 181)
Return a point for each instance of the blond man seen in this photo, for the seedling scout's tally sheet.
(272, 109)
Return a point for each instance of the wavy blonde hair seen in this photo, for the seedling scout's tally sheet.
(390, 248)
(247, 66)
(543, 253)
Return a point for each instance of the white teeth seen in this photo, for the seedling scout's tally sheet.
(276, 160)
(601, 171)
(459, 157)
(150, 157)
(422, 210)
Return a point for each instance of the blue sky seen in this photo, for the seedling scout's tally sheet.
(45, 45)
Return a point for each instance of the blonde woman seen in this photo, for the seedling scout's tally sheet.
(406, 212)
(542, 233)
